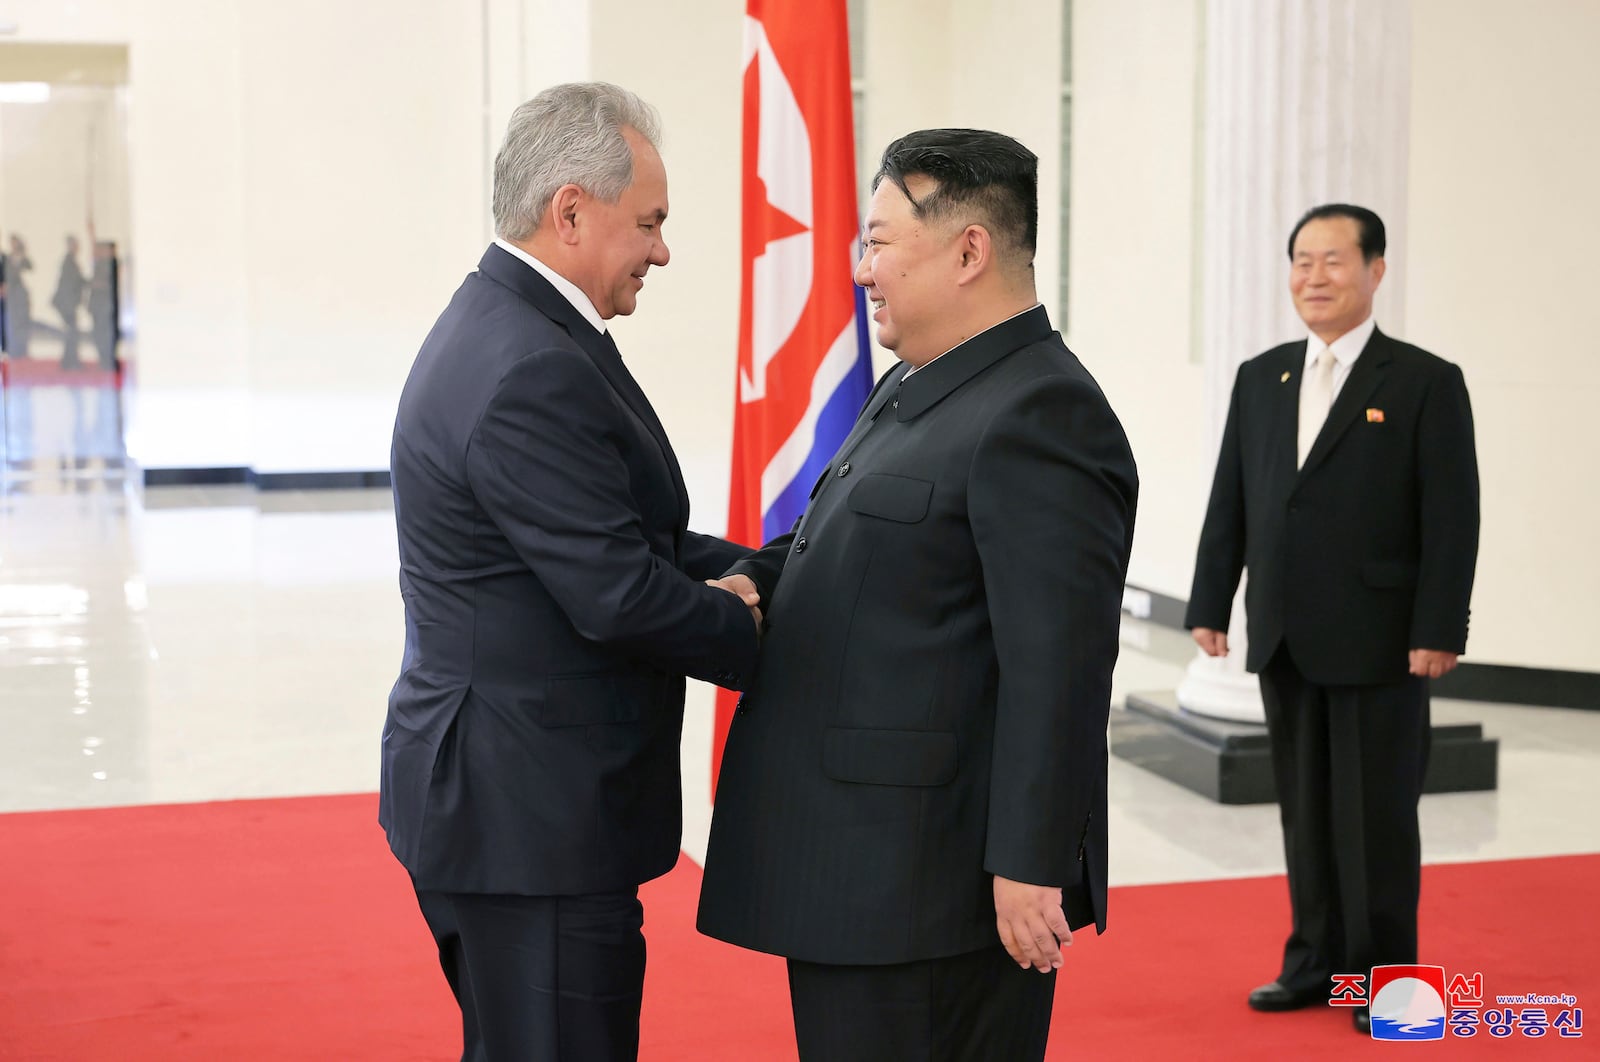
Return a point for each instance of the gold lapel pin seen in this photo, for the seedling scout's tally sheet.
(1284, 378)
(1374, 416)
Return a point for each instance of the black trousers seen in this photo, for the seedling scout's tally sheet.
(978, 1007)
(542, 978)
(1349, 763)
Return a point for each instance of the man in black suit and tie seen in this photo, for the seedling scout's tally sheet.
(1348, 485)
(912, 805)
(554, 600)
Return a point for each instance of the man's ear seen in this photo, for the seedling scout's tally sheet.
(564, 206)
(976, 249)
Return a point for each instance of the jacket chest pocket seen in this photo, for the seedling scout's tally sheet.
(889, 497)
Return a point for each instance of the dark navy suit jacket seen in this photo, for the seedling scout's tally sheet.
(554, 603)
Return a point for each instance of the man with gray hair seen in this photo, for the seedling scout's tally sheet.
(554, 600)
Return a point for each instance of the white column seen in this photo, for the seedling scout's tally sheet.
(1307, 102)
(528, 46)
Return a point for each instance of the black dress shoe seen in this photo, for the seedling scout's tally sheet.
(1276, 997)
(1362, 1020)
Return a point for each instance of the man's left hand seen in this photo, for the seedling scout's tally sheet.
(1032, 925)
(1431, 663)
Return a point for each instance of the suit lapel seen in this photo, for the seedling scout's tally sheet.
(521, 278)
(603, 349)
(1368, 372)
(1285, 404)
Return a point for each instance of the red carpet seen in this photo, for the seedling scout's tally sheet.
(282, 929)
(41, 372)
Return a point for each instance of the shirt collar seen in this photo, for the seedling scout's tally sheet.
(1347, 348)
(569, 291)
(923, 390)
(914, 369)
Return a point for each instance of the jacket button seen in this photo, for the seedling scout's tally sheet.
(800, 546)
(844, 470)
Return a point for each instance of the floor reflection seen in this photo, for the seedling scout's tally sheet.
(61, 431)
(179, 644)
(67, 417)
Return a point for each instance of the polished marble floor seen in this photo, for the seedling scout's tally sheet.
(190, 644)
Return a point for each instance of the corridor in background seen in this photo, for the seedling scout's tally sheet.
(66, 316)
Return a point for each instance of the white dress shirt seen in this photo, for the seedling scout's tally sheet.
(569, 291)
(1345, 349)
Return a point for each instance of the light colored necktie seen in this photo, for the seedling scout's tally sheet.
(1316, 395)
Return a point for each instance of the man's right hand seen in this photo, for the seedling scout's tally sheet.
(1212, 643)
(1032, 926)
(744, 588)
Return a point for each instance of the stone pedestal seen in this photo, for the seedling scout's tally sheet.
(1231, 763)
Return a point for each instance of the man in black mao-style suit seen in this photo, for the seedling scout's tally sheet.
(1348, 485)
(912, 804)
(554, 600)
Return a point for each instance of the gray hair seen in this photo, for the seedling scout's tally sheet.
(567, 134)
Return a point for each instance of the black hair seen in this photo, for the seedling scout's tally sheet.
(976, 169)
(1373, 239)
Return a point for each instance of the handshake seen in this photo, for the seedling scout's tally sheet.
(742, 587)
